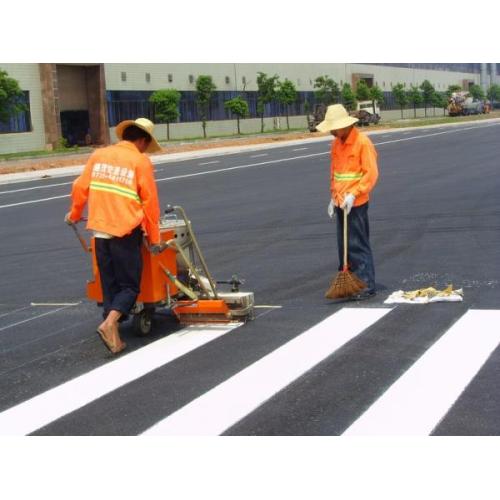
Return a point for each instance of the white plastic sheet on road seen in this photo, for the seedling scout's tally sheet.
(425, 296)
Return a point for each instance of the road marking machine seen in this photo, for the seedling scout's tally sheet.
(177, 279)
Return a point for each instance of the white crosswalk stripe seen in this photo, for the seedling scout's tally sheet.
(416, 402)
(413, 405)
(59, 401)
(223, 406)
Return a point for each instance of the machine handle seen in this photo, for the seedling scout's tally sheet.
(81, 239)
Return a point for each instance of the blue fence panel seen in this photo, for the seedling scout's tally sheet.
(18, 122)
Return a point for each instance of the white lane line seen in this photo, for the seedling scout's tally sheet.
(421, 397)
(45, 186)
(14, 311)
(39, 411)
(185, 176)
(217, 171)
(208, 162)
(34, 201)
(299, 149)
(223, 406)
(259, 155)
(31, 319)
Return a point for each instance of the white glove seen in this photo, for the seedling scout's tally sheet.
(348, 202)
(331, 209)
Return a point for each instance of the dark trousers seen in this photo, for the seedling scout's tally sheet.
(120, 268)
(359, 253)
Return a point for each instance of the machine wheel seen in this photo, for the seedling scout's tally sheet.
(143, 322)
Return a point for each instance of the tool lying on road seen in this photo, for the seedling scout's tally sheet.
(345, 284)
(178, 279)
(425, 296)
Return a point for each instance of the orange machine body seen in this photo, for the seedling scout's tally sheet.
(155, 285)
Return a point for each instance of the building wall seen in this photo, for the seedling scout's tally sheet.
(28, 76)
(302, 75)
(227, 76)
(72, 88)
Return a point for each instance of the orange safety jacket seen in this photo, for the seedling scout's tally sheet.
(119, 185)
(353, 168)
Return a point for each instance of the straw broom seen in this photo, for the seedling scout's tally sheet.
(345, 284)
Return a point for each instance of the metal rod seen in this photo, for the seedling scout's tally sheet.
(188, 263)
(198, 251)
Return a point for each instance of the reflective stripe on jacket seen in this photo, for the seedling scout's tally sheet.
(119, 186)
(353, 168)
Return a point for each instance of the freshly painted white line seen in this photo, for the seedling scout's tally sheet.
(422, 396)
(52, 304)
(220, 408)
(209, 162)
(31, 319)
(39, 411)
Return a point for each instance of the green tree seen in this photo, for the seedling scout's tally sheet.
(328, 90)
(239, 107)
(166, 106)
(439, 101)
(376, 95)
(362, 91)
(286, 94)
(348, 97)
(428, 91)
(400, 96)
(451, 89)
(204, 89)
(266, 93)
(415, 98)
(477, 93)
(494, 93)
(10, 96)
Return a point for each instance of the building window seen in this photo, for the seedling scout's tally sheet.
(148, 77)
(191, 79)
(124, 76)
(170, 78)
(244, 80)
(228, 80)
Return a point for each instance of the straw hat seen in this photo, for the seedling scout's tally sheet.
(144, 124)
(336, 117)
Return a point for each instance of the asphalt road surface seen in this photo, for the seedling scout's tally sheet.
(305, 366)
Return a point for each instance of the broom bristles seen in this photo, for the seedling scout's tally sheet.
(345, 284)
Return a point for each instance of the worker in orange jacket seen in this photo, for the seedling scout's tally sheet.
(354, 173)
(119, 186)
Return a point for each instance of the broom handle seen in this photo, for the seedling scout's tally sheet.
(345, 240)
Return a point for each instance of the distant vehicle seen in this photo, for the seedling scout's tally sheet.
(366, 112)
(316, 117)
(463, 104)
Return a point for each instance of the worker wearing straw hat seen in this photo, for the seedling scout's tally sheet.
(119, 185)
(354, 173)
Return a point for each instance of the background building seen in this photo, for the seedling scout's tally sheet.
(84, 102)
